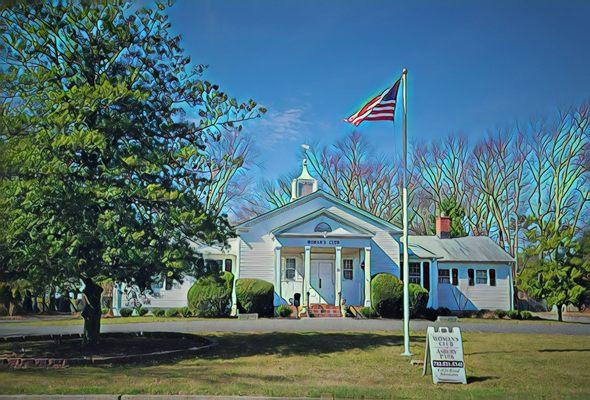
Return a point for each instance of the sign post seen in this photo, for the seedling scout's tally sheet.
(444, 349)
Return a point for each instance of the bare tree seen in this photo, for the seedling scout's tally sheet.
(352, 171)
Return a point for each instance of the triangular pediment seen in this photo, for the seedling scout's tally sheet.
(322, 223)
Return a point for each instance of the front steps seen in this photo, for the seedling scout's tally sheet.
(324, 311)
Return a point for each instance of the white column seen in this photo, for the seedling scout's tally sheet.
(422, 273)
(367, 277)
(511, 283)
(234, 297)
(278, 274)
(116, 297)
(307, 275)
(338, 283)
(433, 284)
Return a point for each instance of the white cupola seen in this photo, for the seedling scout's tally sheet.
(304, 184)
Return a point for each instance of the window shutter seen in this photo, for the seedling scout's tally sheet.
(492, 277)
(426, 275)
(455, 280)
(471, 276)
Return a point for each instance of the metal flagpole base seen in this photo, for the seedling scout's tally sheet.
(406, 354)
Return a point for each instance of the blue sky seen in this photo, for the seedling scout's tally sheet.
(473, 65)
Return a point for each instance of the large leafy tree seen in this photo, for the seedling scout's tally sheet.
(96, 147)
(557, 267)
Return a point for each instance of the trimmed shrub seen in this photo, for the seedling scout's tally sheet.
(210, 296)
(171, 312)
(418, 299)
(158, 312)
(501, 314)
(284, 311)
(368, 312)
(513, 314)
(185, 312)
(125, 312)
(142, 311)
(255, 296)
(526, 315)
(104, 311)
(387, 295)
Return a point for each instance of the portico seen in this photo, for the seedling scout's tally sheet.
(312, 270)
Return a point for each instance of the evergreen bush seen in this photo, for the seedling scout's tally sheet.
(210, 296)
(387, 295)
(125, 312)
(418, 300)
(255, 296)
(171, 312)
(158, 312)
(284, 311)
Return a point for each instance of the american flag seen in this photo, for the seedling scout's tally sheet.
(379, 108)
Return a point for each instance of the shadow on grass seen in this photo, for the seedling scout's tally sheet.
(238, 345)
(474, 379)
(562, 350)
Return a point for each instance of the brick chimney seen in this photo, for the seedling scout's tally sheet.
(443, 226)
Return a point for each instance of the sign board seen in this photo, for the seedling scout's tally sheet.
(323, 242)
(444, 353)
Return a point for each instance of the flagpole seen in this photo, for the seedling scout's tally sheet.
(406, 267)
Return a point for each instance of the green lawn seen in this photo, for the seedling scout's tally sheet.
(342, 364)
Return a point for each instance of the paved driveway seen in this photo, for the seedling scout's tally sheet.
(314, 324)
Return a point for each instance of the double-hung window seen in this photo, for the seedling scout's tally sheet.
(415, 272)
(481, 277)
(290, 266)
(347, 269)
(444, 276)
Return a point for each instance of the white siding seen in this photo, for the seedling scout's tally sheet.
(161, 298)
(353, 290)
(478, 296)
(257, 249)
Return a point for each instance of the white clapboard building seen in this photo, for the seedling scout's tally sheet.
(318, 249)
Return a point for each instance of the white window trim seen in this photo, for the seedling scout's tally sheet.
(487, 271)
(351, 269)
(294, 269)
(449, 276)
(420, 277)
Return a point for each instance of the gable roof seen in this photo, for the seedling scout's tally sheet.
(314, 195)
(318, 213)
(464, 249)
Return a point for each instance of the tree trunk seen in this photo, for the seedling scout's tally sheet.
(560, 312)
(91, 312)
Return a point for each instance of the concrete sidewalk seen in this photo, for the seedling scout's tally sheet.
(304, 325)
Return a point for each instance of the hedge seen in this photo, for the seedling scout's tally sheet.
(387, 295)
(284, 311)
(125, 312)
(210, 296)
(418, 300)
(171, 312)
(255, 296)
(158, 312)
